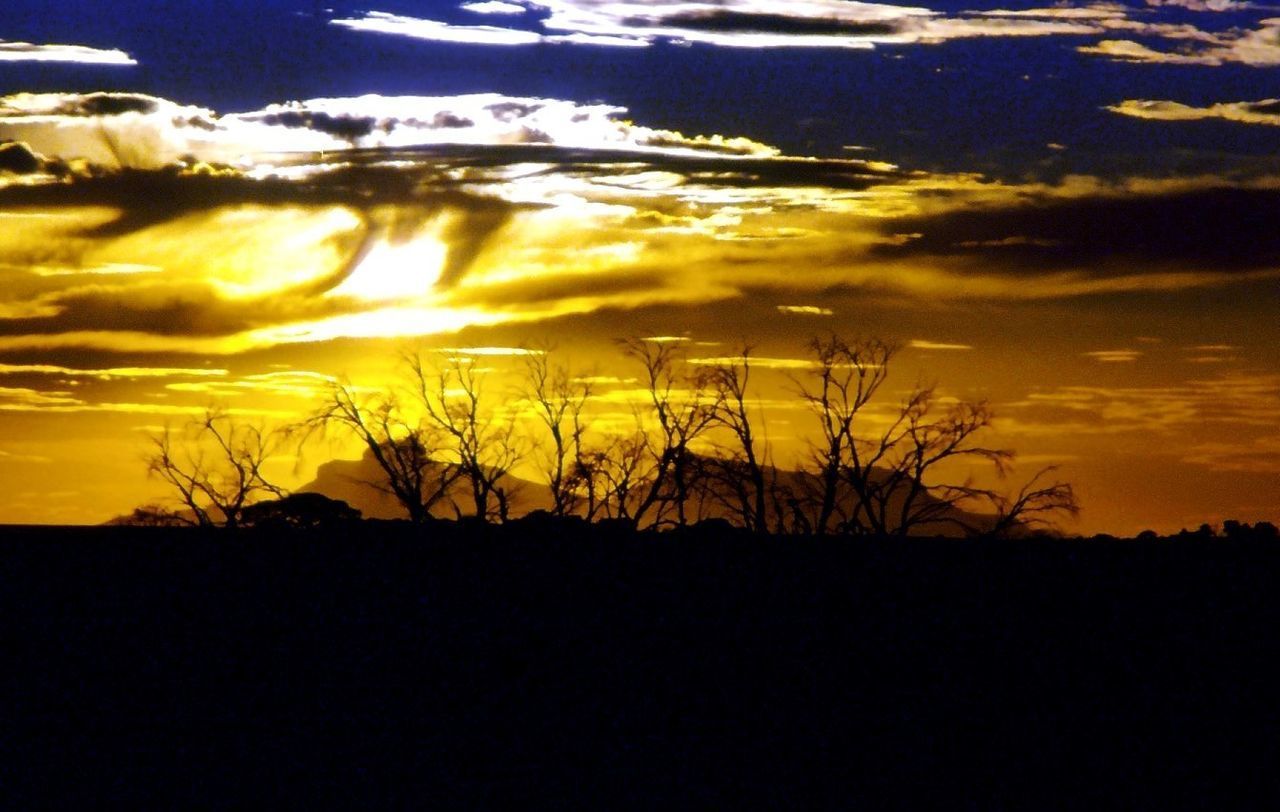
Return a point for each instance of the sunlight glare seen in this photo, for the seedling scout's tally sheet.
(391, 272)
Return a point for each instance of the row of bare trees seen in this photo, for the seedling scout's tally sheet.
(695, 447)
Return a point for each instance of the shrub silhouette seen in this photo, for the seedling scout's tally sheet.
(303, 511)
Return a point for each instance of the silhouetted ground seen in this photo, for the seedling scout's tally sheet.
(573, 667)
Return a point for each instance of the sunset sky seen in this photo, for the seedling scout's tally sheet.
(1072, 210)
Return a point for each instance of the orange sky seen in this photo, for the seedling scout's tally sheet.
(1124, 329)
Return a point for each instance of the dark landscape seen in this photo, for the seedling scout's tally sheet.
(554, 663)
(640, 404)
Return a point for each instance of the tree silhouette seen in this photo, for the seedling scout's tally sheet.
(680, 413)
(485, 448)
(558, 401)
(737, 474)
(214, 463)
(1031, 506)
(697, 450)
(890, 479)
(844, 379)
(402, 448)
(619, 475)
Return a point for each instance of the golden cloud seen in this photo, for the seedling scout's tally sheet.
(1266, 111)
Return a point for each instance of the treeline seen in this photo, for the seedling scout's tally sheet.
(1231, 530)
(696, 446)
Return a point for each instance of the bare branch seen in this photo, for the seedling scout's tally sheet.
(215, 465)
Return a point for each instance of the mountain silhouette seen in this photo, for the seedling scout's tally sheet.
(354, 481)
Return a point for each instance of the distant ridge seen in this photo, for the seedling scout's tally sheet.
(351, 481)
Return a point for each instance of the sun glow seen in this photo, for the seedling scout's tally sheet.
(243, 252)
(396, 272)
(390, 322)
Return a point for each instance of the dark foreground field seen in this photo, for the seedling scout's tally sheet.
(488, 668)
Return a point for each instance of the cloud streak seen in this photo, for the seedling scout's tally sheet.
(1259, 47)
(144, 132)
(1236, 403)
(1119, 33)
(1123, 33)
(835, 24)
(1266, 111)
(383, 23)
(111, 373)
(30, 52)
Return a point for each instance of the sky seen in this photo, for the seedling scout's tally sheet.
(1068, 210)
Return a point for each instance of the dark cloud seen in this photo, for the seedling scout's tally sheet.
(723, 167)
(348, 128)
(147, 198)
(443, 120)
(510, 111)
(170, 310)
(742, 22)
(18, 159)
(200, 123)
(1266, 108)
(90, 105)
(1217, 228)
(534, 291)
(466, 238)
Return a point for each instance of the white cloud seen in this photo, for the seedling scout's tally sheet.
(842, 24)
(1203, 5)
(493, 7)
(382, 23)
(1100, 11)
(30, 52)
(147, 132)
(578, 38)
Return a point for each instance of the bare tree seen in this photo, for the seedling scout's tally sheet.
(486, 447)
(558, 400)
(896, 483)
(215, 465)
(845, 377)
(870, 471)
(895, 478)
(738, 474)
(681, 411)
(1032, 504)
(619, 474)
(404, 450)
